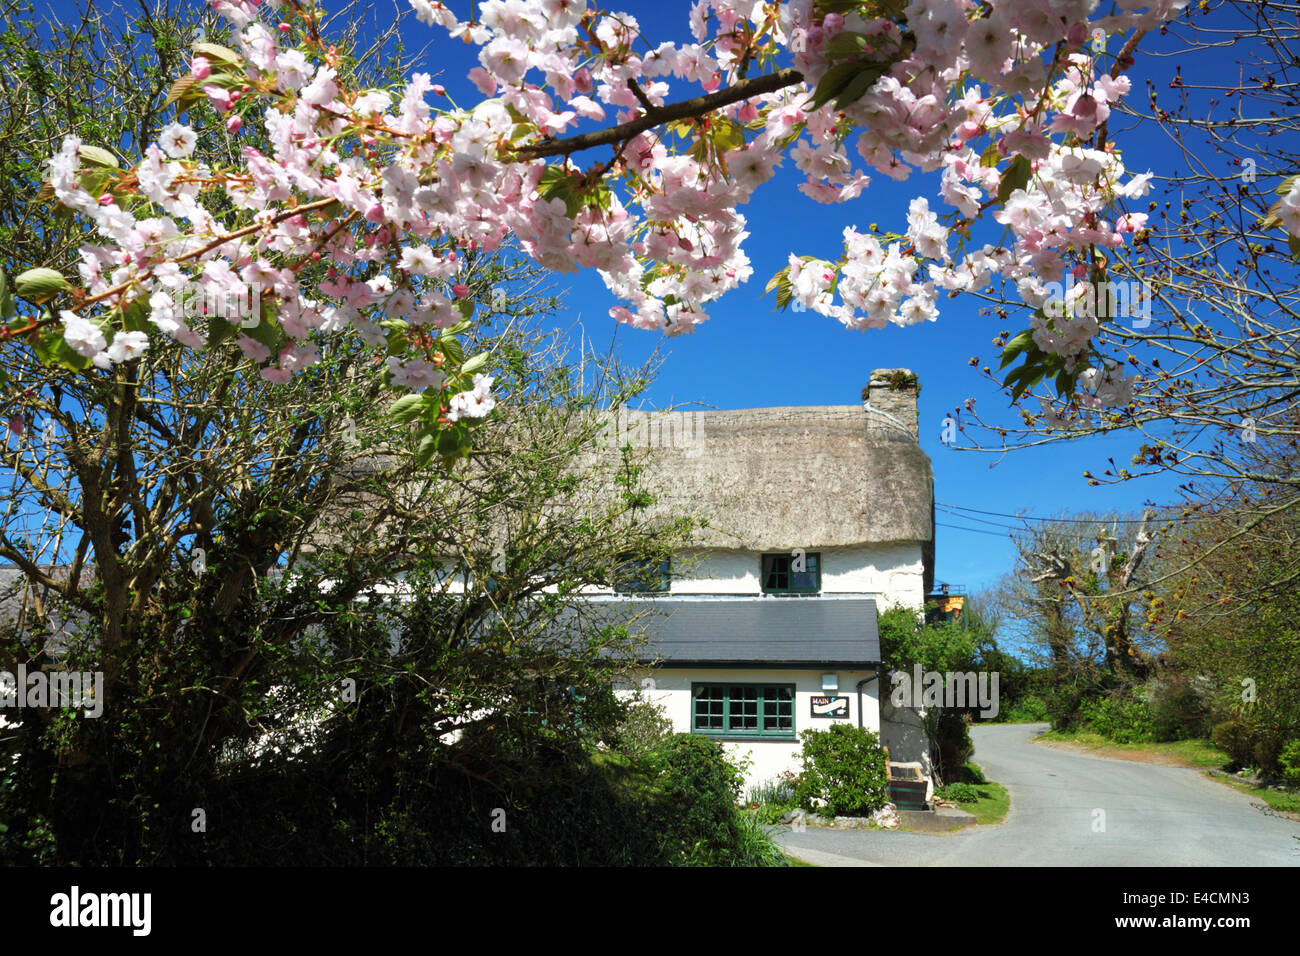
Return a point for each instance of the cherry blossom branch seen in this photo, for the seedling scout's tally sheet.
(698, 106)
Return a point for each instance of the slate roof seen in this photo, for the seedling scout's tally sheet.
(749, 631)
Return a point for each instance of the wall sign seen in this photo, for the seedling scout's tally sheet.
(823, 706)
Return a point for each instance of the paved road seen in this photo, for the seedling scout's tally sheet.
(1154, 816)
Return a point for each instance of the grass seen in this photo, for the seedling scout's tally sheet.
(991, 805)
(795, 861)
(1197, 754)
(1279, 800)
(992, 802)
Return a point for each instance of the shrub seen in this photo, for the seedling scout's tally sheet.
(959, 792)
(1179, 711)
(1030, 709)
(643, 728)
(1063, 707)
(698, 789)
(1267, 750)
(1289, 760)
(1236, 739)
(953, 743)
(843, 766)
(1125, 720)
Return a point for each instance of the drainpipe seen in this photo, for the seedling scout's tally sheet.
(875, 676)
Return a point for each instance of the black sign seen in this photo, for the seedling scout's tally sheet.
(830, 707)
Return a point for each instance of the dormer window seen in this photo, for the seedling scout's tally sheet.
(796, 572)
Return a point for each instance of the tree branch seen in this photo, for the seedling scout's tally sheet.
(674, 111)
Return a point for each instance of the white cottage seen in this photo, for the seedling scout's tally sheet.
(818, 517)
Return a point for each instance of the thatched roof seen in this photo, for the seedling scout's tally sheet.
(779, 478)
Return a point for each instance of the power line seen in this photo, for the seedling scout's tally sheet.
(958, 527)
(1002, 514)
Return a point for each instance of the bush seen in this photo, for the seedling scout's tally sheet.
(1237, 740)
(953, 743)
(1289, 760)
(844, 769)
(698, 787)
(1125, 720)
(959, 792)
(1063, 708)
(1178, 712)
(1267, 750)
(1030, 709)
(642, 729)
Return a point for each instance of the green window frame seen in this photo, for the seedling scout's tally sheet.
(779, 578)
(729, 709)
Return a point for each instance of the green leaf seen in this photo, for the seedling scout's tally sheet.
(267, 331)
(39, 284)
(845, 43)
(408, 408)
(1020, 343)
(858, 86)
(6, 300)
(474, 364)
(776, 280)
(451, 347)
(219, 331)
(832, 84)
(96, 156)
(1284, 187)
(990, 156)
(215, 51)
(95, 181)
(135, 318)
(727, 134)
(428, 447)
(1293, 243)
(185, 91)
(1016, 177)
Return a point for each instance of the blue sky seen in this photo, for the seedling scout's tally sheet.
(747, 355)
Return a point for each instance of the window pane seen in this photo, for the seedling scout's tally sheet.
(806, 580)
(776, 575)
(708, 707)
(744, 709)
(778, 709)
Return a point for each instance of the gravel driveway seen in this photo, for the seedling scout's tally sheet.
(1153, 816)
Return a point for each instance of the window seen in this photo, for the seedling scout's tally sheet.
(787, 574)
(643, 576)
(743, 710)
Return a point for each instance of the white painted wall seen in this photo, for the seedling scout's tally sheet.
(671, 689)
(893, 574)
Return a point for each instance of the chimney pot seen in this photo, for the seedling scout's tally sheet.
(890, 398)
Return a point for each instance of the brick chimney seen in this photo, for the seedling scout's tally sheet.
(890, 400)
